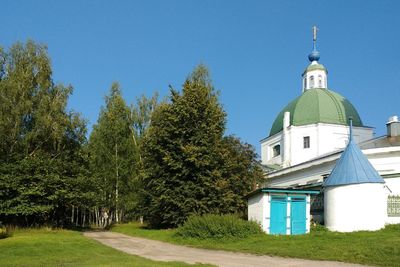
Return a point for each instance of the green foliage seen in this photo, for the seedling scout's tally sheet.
(141, 115)
(217, 226)
(189, 167)
(318, 228)
(114, 148)
(41, 160)
(113, 154)
(166, 161)
(33, 115)
(241, 172)
(40, 190)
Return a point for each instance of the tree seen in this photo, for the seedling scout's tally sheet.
(186, 159)
(113, 154)
(241, 173)
(40, 154)
(141, 115)
(114, 147)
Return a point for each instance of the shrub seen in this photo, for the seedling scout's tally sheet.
(5, 232)
(217, 226)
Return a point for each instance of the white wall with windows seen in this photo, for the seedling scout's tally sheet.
(386, 160)
(315, 79)
(303, 143)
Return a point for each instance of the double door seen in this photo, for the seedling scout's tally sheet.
(282, 221)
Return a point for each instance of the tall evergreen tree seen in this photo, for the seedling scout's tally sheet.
(186, 158)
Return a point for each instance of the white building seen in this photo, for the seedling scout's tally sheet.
(308, 137)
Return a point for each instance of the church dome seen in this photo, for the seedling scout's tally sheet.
(317, 66)
(317, 106)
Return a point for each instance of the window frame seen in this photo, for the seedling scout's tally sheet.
(320, 81)
(312, 81)
(306, 142)
(276, 152)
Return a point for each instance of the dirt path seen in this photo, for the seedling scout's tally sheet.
(161, 251)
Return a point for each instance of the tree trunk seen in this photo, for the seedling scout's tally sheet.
(77, 217)
(72, 215)
(116, 182)
(96, 217)
(84, 218)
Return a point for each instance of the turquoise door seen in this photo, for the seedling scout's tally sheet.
(278, 215)
(298, 215)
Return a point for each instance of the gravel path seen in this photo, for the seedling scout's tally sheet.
(161, 251)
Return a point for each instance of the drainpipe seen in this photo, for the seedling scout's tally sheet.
(286, 139)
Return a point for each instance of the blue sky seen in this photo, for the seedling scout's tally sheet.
(255, 50)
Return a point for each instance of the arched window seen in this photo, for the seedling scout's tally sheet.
(311, 81)
(319, 81)
(305, 83)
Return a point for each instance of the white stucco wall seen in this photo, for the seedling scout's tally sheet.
(316, 74)
(394, 185)
(255, 208)
(308, 213)
(301, 176)
(266, 149)
(355, 207)
(385, 160)
(392, 220)
(324, 139)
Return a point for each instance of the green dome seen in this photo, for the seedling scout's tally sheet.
(317, 105)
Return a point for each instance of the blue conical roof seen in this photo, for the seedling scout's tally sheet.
(353, 167)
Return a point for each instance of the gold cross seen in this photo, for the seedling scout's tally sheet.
(315, 29)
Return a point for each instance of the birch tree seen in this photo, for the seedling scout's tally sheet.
(113, 154)
(41, 159)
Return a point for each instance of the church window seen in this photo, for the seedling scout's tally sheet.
(319, 81)
(306, 142)
(276, 150)
(311, 81)
(305, 83)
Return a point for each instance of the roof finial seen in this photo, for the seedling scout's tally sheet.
(315, 37)
(314, 56)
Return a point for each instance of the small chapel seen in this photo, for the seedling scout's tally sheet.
(322, 164)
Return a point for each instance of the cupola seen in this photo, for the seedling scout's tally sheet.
(315, 75)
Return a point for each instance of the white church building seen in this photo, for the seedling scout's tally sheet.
(305, 143)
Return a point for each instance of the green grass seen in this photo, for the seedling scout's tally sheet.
(372, 248)
(46, 247)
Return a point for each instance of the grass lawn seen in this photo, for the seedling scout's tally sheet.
(372, 248)
(45, 247)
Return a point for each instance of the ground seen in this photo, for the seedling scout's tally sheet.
(162, 251)
(379, 248)
(47, 247)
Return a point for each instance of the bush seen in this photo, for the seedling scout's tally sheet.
(217, 226)
(5, 232)
(318, 228)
